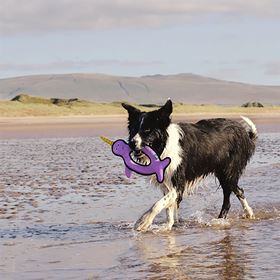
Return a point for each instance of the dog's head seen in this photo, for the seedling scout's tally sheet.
(148, 128)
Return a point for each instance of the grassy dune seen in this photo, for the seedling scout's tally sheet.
(27, 106)
(18, 109)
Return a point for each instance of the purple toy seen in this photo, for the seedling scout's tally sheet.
(156, 165)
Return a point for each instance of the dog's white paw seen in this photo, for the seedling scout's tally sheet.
(249, 214)
(143, 223)
(166, 227)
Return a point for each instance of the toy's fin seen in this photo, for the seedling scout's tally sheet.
(106, 140)
(162, 166)
(127, 172)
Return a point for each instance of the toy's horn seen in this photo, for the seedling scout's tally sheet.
(106, 140)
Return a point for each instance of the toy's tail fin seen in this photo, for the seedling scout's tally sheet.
(162, 166)
(106, 140)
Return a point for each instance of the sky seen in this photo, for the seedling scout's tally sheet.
(230, 40)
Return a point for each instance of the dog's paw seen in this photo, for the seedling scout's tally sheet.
(143, 223)
(249, 216)
(165, 227)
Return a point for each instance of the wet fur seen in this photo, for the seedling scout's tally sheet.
(219, 146)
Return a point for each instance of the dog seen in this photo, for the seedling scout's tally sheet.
(218, 146)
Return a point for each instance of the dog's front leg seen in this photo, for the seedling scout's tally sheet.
(170, 211)
(147, 219)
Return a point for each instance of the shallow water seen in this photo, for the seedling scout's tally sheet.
(67, 212)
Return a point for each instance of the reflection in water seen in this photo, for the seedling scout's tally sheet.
(224, 258)
(233, 260)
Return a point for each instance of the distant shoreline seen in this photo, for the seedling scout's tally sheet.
(107, 117)
(110, 125)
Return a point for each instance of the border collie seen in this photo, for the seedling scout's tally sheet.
(214, 146)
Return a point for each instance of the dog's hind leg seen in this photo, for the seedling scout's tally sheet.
(247, 209)
(166, 202)
(226, 201)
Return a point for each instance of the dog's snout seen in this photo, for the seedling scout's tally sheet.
(132, 144)
(135, 142)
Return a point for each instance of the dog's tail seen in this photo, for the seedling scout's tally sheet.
(250, 128)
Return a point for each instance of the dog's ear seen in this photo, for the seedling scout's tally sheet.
(166, 109)
(130, 109)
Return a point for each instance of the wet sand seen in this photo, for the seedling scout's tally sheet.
(87, 126)
(67, 211)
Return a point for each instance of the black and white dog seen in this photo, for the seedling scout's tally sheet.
(214, 146)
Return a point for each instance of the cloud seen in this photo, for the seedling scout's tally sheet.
(272, 68)
(21, 16)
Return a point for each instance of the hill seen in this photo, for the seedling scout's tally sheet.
(185, 88)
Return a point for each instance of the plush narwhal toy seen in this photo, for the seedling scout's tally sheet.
(156, 165)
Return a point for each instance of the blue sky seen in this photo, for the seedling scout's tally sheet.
(233, 41)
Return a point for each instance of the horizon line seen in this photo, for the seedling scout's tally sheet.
(136, 76)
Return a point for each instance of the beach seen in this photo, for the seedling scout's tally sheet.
(67, 210)
(79, 126)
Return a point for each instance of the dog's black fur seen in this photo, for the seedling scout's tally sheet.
(219, 146)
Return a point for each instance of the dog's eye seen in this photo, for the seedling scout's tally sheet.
(147, 130)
